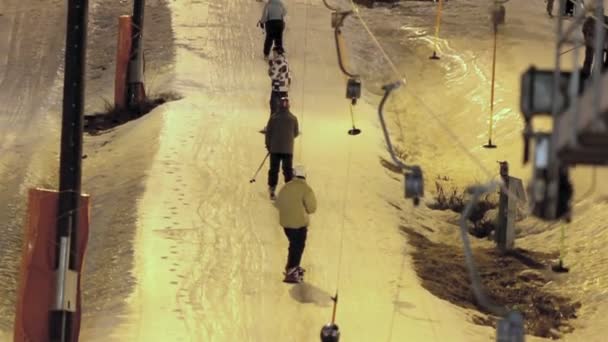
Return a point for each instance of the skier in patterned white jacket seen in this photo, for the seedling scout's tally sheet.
(280, 76)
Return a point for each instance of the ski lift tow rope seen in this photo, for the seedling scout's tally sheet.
(403, 166)
(347, 180)
(301, 140)
(447, 129)
(477, 287)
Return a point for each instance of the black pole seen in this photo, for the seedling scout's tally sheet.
(138, 24)
(136, 93)
(70, 170)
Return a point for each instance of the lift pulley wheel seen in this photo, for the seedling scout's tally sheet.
(330, 333)
(414, 184)
(353, 89)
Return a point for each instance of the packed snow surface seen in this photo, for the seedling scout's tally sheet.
(184, 248)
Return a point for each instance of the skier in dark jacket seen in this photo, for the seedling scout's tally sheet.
(589, 37)
(281, 131)
(273, 21)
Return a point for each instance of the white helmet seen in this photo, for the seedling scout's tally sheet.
(299, 171)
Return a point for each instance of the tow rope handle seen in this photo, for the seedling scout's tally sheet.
(333, 315)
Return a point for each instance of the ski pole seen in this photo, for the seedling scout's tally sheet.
(259, 168)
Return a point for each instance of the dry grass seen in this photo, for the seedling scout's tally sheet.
(455, 199)
(516, 279)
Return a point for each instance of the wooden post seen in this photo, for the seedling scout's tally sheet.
(123, 53)
(512, 197)
(36, 293)
(517, 199)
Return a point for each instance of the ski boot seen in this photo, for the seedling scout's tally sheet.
(273, 196)
(293, 275)
(301, 271)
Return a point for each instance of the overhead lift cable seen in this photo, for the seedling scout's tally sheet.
(331, 332)
(510, 328)
(301, 124)
(453, 135)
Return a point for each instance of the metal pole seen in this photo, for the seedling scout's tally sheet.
(138, 24)
(437, 25)
(136, 65)
(598, 64)
(491, 120)
(66, 260)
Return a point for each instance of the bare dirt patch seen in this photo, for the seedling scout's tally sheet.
(516, 280)
(111, 117)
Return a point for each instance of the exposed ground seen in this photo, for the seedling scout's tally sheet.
(112, 116)
(516, 280)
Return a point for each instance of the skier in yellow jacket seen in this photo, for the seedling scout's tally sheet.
(295, 201)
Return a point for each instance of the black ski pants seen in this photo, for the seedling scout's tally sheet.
(274, 33)
(275, 100)
(297, 242)
(276, 159)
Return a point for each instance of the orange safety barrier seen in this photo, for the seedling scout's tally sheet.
(36, 292)
(123, 53)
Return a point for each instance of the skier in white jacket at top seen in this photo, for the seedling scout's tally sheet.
(273, 21)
